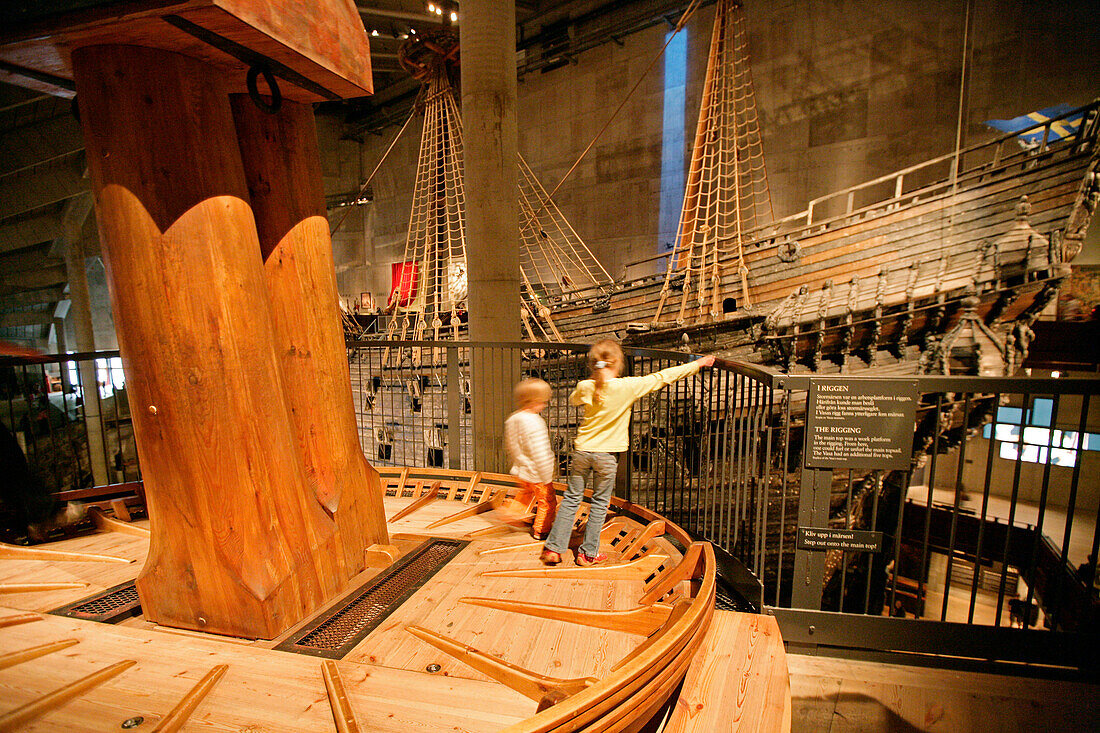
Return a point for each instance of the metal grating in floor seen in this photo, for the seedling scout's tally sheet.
(357, 614)
(108, 607)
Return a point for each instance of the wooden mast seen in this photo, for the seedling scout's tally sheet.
(282, 166)
(261, 503)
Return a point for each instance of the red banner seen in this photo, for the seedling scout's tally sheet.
(404, 276)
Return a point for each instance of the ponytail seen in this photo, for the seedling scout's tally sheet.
(604, 354)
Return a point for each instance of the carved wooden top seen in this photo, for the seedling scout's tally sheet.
(318, 49)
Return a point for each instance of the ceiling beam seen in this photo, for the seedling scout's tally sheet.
(17, 319)
(18, 235)
(45, 185)
(32, 279)
(39, 296)
(34, 144)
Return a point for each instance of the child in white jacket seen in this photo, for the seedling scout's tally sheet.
(528, 443)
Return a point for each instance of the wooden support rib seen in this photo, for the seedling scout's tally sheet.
(401, 481)
(36, 708)
(655, 528)
(15, 552)
(121, 510)
(342, 712)
(428, 497)
(505, 527)
(688, 568)
(36, 587)
(674, 615)
(639, 569)
(186, 706)
(109, 524)
(13, 658)
(19, 618)
(643, 620)
(481, 507)
(474, 480)
(523, 681)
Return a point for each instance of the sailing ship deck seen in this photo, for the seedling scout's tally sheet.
(394, 681)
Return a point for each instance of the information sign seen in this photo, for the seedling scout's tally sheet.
(815, 538)
(860, 423)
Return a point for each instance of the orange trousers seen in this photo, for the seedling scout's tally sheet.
(546, 505)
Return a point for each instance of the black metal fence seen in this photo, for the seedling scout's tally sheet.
(985, 543)
(70, 418)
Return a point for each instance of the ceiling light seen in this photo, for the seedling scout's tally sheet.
(439, 11)
(454, 17)
(431, 8)
(374, 32)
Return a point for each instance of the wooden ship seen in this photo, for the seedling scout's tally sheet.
(280, 582)
(875, 276)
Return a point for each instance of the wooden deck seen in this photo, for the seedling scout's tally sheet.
(472, 649)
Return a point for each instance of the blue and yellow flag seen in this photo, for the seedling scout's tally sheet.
(1062, 128)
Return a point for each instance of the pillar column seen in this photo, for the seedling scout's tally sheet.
(240, 545)
(81, 310)
(488, 40)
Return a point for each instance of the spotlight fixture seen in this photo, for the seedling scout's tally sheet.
(374, 32)
(454, 17)
(431, 7)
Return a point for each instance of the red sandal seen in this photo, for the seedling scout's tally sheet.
(584, 560)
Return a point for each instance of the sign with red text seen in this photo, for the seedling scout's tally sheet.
(860, 423)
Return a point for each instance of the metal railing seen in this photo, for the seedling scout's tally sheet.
(985, 544)
(70, 417)
(968, 550)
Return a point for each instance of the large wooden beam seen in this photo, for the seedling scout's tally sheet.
(283, 168)
(240, 545)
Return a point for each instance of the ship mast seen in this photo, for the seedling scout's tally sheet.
(555, 264)
(727, 197)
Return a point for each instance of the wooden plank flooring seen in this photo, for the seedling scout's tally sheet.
(738, 681)
(830, 695)
(263, 690)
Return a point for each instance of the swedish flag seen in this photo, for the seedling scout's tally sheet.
(1064, 126)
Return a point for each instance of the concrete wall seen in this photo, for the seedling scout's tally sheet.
(846, 91)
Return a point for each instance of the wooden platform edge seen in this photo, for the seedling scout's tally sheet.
(738, 680)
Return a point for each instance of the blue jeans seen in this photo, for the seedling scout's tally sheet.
(602, 467)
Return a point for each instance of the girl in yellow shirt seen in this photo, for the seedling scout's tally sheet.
(606, 398)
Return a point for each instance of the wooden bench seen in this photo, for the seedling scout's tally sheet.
(738, 680)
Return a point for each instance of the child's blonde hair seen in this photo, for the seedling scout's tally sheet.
(530, 391)
(604, 353)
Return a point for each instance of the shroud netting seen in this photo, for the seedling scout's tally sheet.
(727, 195)
(555, 264)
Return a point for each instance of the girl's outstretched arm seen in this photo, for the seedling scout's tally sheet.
(641, 386)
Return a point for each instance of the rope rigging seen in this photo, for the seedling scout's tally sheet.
(727, 197)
